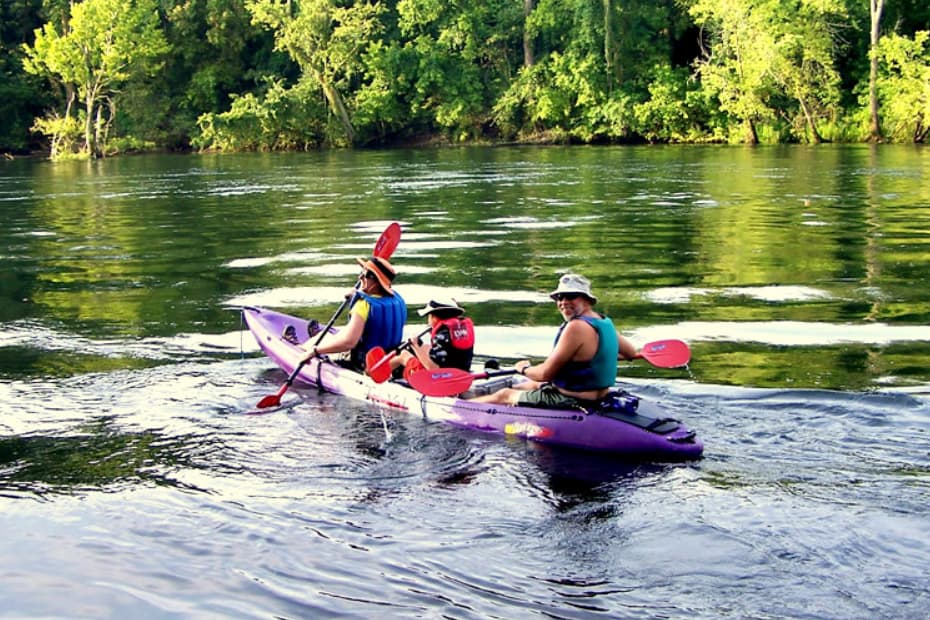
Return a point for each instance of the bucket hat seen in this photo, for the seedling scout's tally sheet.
(573, 283)
(440, 306)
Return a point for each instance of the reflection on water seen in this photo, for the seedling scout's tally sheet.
(797, 275)
(95, 457)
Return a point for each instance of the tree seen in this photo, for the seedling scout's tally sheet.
(326, 40)
(735, 66)
(903, 85)
(105, 44)
(528, 57)
(803, 66)
(875, 13)
(769, 58)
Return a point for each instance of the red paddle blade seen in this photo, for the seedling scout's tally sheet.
(272, 400)
(388, 241)
(440, 382)
(377, 366)
(666, 353)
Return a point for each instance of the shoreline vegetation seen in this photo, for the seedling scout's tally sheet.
(98, 78)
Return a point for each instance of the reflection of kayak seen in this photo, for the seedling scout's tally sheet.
(634, 427)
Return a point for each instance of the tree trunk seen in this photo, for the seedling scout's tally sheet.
(608, 41)
(815, 136)
(875, 10)
(90, 143)
(528, 59)
(337, 105)
(752, 136)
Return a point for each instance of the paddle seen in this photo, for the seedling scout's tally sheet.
(376, 362)
(448, 381)
(666, 353)
(451, 381)
(384, 247)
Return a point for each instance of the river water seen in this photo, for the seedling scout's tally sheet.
(134, 482)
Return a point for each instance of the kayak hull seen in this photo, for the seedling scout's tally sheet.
(620, 433)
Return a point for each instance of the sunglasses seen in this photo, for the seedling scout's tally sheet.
(371, 275)
(566, 296)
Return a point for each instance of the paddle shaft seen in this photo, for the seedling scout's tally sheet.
(396, 351)
(451, 381)
(323, 333)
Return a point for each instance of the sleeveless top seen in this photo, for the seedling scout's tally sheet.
(384, 327)
(601, 370)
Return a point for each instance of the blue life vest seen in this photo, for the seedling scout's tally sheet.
(384, 327)
(601, 370)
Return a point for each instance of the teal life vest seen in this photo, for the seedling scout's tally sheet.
(601, 370)
(384, 327)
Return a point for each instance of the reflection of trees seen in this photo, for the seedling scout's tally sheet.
(97, 456)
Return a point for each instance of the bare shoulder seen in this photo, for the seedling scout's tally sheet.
(578, 331)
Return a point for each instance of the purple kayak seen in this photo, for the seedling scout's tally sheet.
(632, 427)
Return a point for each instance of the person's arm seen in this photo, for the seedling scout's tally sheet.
(345, 339)
(421, 350)
(626, 351)
(571, 340)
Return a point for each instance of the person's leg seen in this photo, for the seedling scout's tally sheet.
(505, 396)
(400, 360)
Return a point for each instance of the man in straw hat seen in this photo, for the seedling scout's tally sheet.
(582, 366)
(377, 315)
(451, 344)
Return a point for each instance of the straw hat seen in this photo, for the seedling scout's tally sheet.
(382, 269)
(441, 306)
(573, 283)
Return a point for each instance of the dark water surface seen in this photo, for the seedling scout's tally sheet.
(133, 484)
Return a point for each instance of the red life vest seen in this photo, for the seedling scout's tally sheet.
(461, 330)
(452, 343)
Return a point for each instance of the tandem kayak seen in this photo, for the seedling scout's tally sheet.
(633, 427)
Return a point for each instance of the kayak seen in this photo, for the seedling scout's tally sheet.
(631, 427)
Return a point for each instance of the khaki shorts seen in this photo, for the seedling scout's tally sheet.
(548, 397)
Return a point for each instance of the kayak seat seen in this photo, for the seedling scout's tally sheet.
(290, 335)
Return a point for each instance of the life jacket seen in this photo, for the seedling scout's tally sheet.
(384, 327)
(453, 343)
(601, 370)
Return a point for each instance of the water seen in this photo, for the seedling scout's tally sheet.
(134, 484)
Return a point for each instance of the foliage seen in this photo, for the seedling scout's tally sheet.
(281, 119)
(904, 86)
(675, 110)
(105, 43)
(281, 74)
(326, 40)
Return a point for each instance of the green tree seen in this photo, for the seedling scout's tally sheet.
(464, 53)
(735, 65)
(326, 40)
(22, 96)
(768, 59)
(903, 85)
(216, 52)
(803, 66)
(104, 44)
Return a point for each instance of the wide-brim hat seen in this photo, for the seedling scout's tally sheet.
(573, 283)
(382, 269)
(441, 306)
